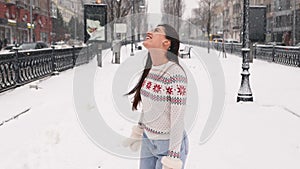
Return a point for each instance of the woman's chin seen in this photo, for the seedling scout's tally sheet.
(145, 44)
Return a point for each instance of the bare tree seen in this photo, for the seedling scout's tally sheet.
(175, 10)
(203, 16)
(117, 9)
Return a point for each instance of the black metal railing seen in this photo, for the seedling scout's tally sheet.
(21, 67)
(286, 55)
(264, 52)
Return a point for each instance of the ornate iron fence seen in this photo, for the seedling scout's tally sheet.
(264, 52)
(286, 55)
(21, 67)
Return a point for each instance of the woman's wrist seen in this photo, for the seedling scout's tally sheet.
(173, 154)
(171, 163)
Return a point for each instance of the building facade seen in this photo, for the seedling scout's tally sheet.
(70, 8)
(285, 17)
(283, 20)
(18, 24)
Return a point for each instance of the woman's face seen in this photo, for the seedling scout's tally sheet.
(156, 39)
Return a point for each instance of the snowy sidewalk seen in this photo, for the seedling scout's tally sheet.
(259, 135)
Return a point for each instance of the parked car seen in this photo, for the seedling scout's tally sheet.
(216, 40)
(231, 41)
(298, 44)
(31, 45)
(7, 48)
(276, 43)
(60, 45)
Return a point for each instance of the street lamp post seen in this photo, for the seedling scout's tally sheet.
(75, 24)
(140, 8)
(294, 24)
(139, 24)
(132, 28)
(245, 93)
(31, 31)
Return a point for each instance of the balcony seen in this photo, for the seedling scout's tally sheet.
(53, 11)
(21, 4)
(10, 2)
(282, 13)
(237, 14)
(36, 10)
(236, 25)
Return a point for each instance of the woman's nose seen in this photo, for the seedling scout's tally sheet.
(148, 33)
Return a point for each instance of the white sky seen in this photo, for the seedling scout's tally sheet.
(154, 6)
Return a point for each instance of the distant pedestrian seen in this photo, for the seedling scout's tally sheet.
(162, 92)
(1, 43)
(5, 42)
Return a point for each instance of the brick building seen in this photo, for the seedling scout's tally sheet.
(283, 19)
(15, 20)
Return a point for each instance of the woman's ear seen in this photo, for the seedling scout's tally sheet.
(167, 43)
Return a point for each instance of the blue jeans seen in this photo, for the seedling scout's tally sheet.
(152, 152)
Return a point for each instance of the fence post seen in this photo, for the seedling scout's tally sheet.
(99, 54)
(254, 51)
(273, 54)
(53, 59)
(88, 50)
(16, 67)
(298, 57)
(73, 56)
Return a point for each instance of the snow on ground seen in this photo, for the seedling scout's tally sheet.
(259, 135)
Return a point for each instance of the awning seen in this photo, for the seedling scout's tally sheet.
(12, 22)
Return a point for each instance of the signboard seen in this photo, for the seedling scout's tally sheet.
(120, 28)
(95, 19)
(257, 23)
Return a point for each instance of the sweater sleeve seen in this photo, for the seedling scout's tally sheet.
(177, 90)
(140, 123)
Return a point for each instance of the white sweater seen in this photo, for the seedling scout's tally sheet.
(163, 95)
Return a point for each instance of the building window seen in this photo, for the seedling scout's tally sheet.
(44, 36)
(269, 8)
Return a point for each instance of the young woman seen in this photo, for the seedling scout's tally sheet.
(162, 92)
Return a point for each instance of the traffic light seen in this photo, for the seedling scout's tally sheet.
(95, 20)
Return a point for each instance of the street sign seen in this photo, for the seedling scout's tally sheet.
(95, 20)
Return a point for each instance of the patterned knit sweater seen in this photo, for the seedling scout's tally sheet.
(163, 96)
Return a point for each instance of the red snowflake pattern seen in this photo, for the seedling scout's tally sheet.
(149, 84)
(169, 90)
(181, 90)
(144, 82)
(156, 88)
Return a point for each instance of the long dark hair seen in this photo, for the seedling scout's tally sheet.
(172, 55)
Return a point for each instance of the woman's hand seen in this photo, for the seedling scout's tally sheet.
(135, 139)
(171, 163)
